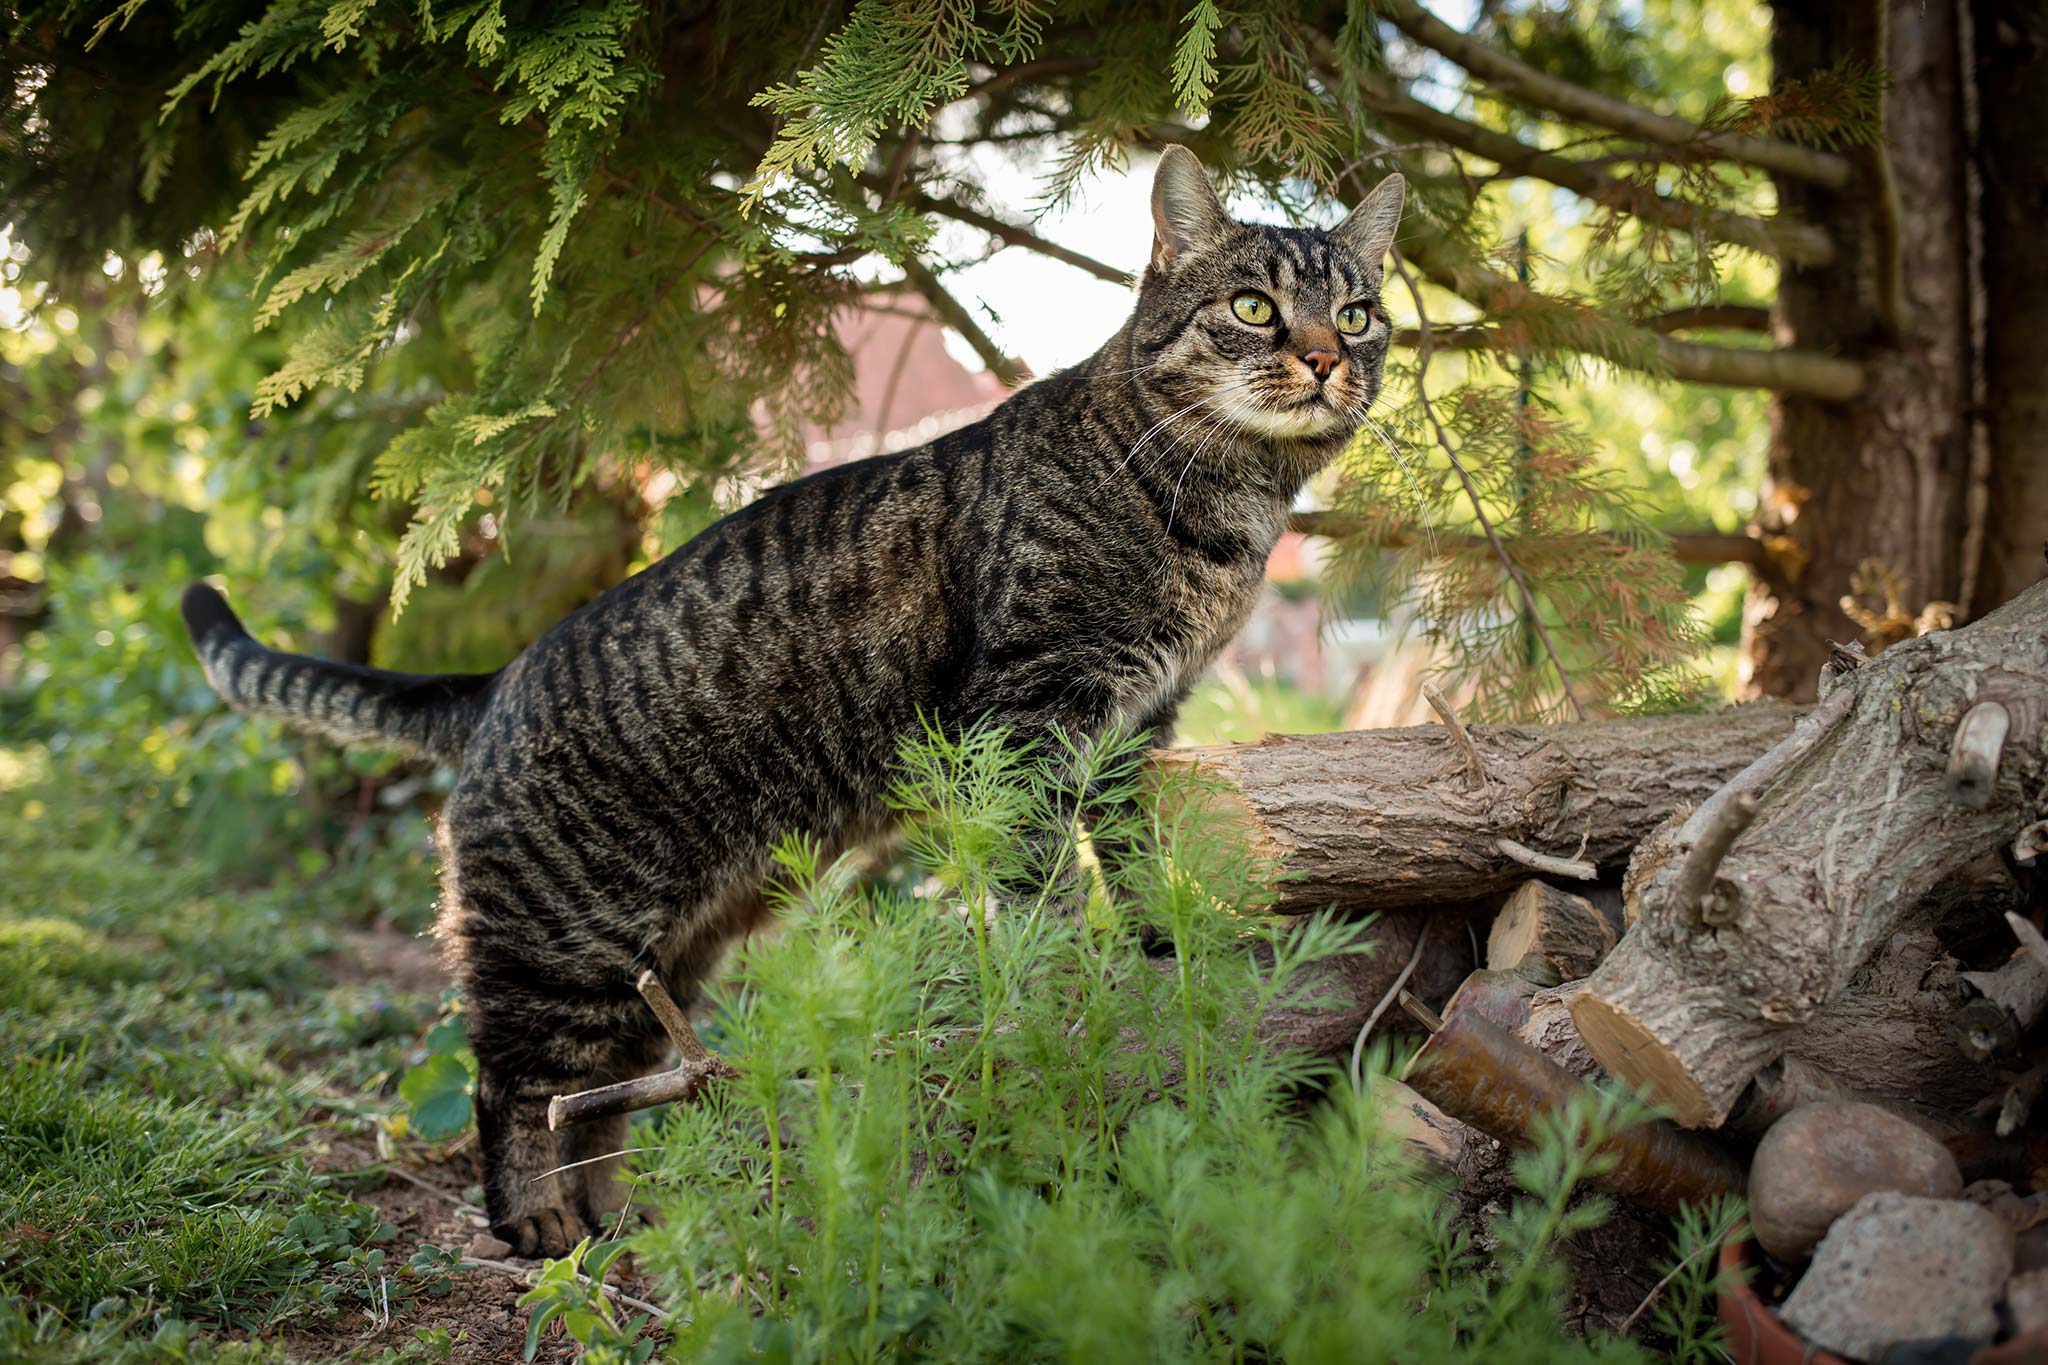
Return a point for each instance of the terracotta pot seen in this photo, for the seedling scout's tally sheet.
(1756, 1335)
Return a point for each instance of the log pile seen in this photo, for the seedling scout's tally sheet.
(1766, 922)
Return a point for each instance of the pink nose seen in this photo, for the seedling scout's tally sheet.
(1322, 362)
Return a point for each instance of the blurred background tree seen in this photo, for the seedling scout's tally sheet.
(471, 309)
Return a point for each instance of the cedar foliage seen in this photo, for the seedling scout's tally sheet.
(569, 246)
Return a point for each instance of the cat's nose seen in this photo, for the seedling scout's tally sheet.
(1321, 362)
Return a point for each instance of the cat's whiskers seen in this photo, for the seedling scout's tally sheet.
(1414, 485)
(1163, 423)
(1236, 408)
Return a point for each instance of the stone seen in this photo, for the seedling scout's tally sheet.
(2026, 1299)
(1897, 1268)
(1818, 1160)
(484, 1247)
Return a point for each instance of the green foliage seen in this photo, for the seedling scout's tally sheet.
(509, 253)
(570, 1290)
(970, 1125)
(1609, 596)
(1684, 1313)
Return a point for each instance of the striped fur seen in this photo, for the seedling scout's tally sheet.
(1075, 559)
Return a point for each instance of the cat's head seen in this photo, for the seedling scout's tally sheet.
(1277, 331)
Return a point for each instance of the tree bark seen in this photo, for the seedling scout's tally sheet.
(1858, 822)
(1382, 819)
(2010, 57)
(1875, 488)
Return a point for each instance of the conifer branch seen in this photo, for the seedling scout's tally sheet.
(1450, 450)
(1796, 243)
(1809, 374)
(1687, 547)
(1524, 84)
(1015, 235)
(954, 314)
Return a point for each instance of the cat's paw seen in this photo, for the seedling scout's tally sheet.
(544, 1232)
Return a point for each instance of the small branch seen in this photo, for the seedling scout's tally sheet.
(1443, 440)
(1421, 1013)
(679, 1086)
(673, 1021)
(1972, 776)
(1016, 235)
(1813, 727)
(1475, 767)
(2019, 1100)
(1736, 317)
(1358, 1044)
(1509, 76)
(1809, 374)
(955, 315)
(1544, 862)
(1795, 243)
(1693, 893)
(2030, 938)
(699, 1068)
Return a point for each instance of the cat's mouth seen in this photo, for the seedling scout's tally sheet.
(1311, 415)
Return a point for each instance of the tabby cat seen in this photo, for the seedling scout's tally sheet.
(1074, 559)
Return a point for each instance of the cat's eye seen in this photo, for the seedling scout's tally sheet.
(1354, 319)
(1253, 307)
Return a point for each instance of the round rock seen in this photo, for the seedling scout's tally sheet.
(1816, 1162)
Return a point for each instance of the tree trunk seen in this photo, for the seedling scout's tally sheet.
(1383, 819)
(1780, 888)
(1868, 498)
(2010, 41)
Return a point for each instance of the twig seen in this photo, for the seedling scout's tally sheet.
(673, 1021)
(1693, 893)
(1544, 862)
(1769, 766)
(1972, 777)
(1358, 1045)
(653, 1310)
(1421, 1013)
(699, 1068)
(2019, 1100)
(1443, 439)
(955, 315)
(1475, 767)
(2030, 938)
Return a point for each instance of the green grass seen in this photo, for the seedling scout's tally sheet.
(169, 1029)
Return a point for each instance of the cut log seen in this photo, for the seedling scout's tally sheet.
(1376, 819)
(1479, 1073)
(1562, 929)
(1857, 824)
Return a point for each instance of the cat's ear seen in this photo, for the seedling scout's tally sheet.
(1186, 214)
(1369, 229)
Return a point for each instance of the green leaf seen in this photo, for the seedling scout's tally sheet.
(438, 1094)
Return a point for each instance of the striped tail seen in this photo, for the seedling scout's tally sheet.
(429, 713)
